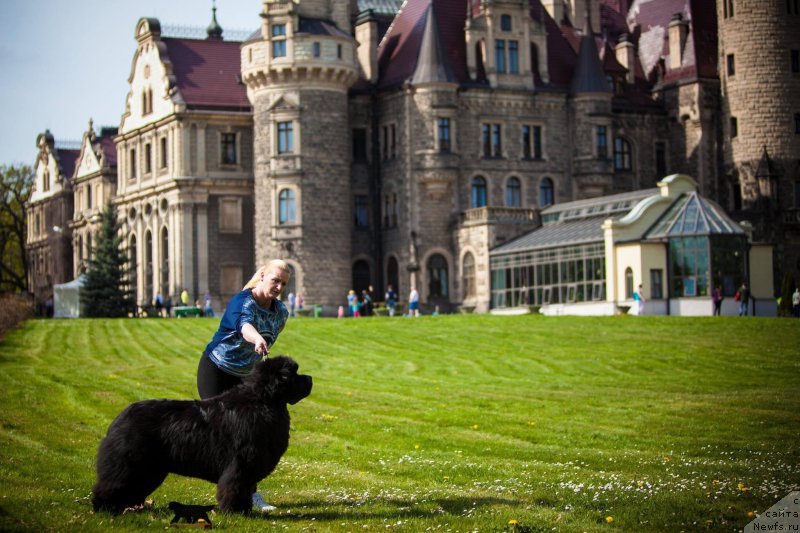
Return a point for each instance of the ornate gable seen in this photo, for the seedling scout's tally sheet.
(51, 178)
(88, 161)
(153, 92)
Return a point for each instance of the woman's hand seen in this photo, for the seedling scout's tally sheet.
(262, 348)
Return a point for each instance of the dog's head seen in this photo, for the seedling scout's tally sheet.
(277, 379)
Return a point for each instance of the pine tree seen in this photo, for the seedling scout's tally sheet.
(105, 292)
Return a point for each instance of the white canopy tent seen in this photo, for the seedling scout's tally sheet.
(67, 298)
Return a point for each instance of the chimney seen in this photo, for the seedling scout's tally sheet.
(625, 55)
(367, 39)
(678, 30)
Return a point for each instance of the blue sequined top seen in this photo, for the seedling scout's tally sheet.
(228, 349)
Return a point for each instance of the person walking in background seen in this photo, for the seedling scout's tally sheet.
(300, 301)
(796, 302)
(366, 301)
(168, 305)
(185, 297)
(292, 302)
(351, 302)
(716, 297)
(638, 298)
(208, 310)
(250, 325)
(744, 299)
(391, 299)
(413, 303)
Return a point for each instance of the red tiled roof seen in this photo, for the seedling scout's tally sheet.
(207, 73)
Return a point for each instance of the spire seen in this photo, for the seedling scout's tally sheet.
(432, 66)
(589, 76)
(214, 30)
(766, 168)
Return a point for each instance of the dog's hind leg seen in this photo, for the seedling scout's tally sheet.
(234, 491)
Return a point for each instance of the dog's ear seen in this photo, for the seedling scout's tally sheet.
(272, 377)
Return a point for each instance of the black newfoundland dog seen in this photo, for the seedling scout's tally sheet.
(234, 440)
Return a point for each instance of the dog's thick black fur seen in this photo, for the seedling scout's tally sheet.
(234, 440)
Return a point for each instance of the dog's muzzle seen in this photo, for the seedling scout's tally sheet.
(301, 389)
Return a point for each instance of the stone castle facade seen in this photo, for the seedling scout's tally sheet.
(369, 143)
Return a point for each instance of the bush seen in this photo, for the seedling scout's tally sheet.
(13, 310)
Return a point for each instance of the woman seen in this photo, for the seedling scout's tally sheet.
(250, 326)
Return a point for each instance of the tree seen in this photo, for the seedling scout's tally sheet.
(787, 288)
(15, 189)
(105, 291)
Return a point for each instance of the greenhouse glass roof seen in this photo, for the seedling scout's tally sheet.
(692, 214)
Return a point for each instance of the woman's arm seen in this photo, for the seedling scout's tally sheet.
(252, 335)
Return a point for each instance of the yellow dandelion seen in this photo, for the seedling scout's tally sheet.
(609, 519)
(751, 514)
(512, 522)
(349, 393)
(531, 423)
(475, 426)
(446, 478)
(416, 446)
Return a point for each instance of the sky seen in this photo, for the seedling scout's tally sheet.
(63, 62)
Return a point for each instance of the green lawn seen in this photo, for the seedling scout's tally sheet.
(451, 423)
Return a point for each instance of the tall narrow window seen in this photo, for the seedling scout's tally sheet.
(279, 40)
(532, 142)
(602, 142)
(795, 61)
(228, 149)
(286, 212)
(734, 127)
(513, 193)
(500, 55)
(163, 153)
(164, 260)
(444, 134)
(437, 276)
(546, 192)
(513, 57)
(469, 275)
(132, 165)
(317, 49)
(505, 22)
(661, 159)
(394, 210)
(478, 192)
(285, 138)
(656, 283)
(148, 158)
(361, 211)
(731, 62)
(338, 51)
(622, 154)
(628, 283)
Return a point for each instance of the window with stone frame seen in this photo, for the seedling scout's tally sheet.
(730, 62)
(286, 207)
(278, 40)
(228, 149)
(132, 164)
(795, 61)
(513, 192)
(148, 158)
(623, 158)
(661, 158)
(285, 137)
(230, 214)
(492, 141)
(443, 134)
(531, 142)
(546, 192)
(163, 152)
(734, 127)
(601, 142)
(361, 211)
(478, 192)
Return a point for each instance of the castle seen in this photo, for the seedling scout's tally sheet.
(375, 142)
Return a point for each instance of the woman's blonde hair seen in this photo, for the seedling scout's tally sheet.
(280, 264)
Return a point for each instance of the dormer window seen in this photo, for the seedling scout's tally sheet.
(505, 22)
(505, 62)
(278, 40)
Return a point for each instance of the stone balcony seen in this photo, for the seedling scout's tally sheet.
(500, 215)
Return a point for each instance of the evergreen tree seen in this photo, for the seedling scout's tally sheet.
(105, 292)
(787, 288)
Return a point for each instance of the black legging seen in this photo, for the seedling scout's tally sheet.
(212, 381)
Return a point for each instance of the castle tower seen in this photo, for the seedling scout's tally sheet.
(759, 59)
(297, 75)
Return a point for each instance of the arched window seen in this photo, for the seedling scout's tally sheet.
(392, 277)
(164, 261)
(149, 274)
(513, 193)
(361, 276)
(437, 276)
(622, 154)
(133, 276)
(628, 283)
(469, 275)
(545, 192)
(478, 192)
(286, 213)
